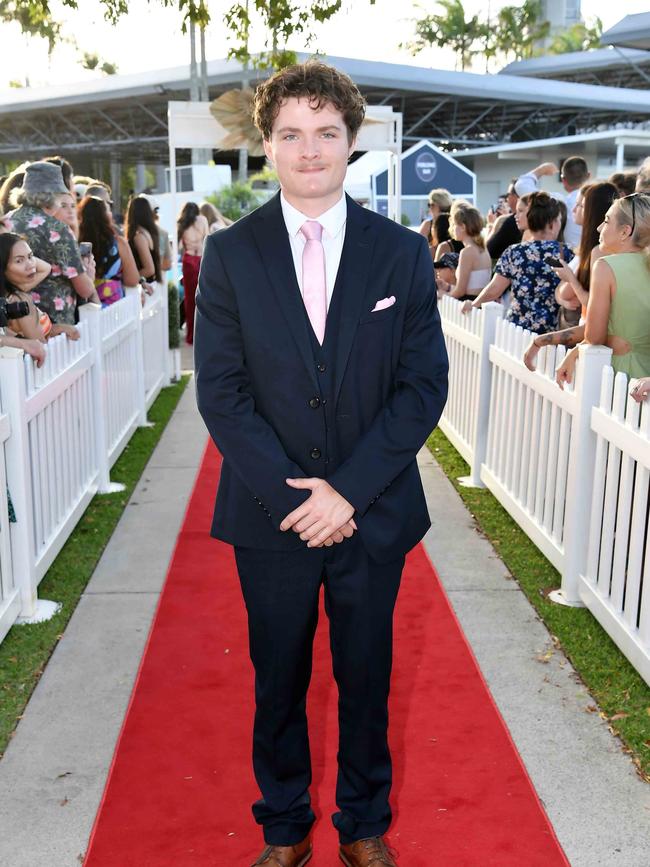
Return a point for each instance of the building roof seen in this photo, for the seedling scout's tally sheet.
(633, 31)
(125, 116)
(636, 142)
(616, 67)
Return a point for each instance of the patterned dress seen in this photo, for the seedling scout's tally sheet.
(532, 283)
(52, 241)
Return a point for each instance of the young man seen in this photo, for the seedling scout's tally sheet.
(573, 174)
(320, 369)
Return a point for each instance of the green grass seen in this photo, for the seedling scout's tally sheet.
(622, 695)
(26, 649)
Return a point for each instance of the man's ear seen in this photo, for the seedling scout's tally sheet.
(267, 149)
(352, 147)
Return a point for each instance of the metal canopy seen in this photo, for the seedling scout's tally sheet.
(633, 31)
(124, 118)
(612, 67)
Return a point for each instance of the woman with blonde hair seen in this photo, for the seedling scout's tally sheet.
(213, 215)
(618, 313)
(439, 202)
(474, 267)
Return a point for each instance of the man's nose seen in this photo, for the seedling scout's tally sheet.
(311, 149)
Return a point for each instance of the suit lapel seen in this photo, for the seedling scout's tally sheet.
(273, 242)
(351, 281)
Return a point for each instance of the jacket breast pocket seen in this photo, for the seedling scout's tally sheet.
(379, 315)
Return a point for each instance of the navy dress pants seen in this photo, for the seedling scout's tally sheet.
(281, 592)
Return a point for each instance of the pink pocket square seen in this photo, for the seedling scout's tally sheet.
(383, 304)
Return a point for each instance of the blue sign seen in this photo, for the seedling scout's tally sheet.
(424, 167)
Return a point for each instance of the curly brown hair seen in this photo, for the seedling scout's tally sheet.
(320, 84)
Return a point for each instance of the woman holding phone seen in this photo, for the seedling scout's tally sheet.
(526, 268)
(114, 262)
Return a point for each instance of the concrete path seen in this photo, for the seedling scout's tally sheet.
(53, 773)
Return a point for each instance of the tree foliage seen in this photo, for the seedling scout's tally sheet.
(281, 20)
(451, 29)
(579, 37)
(514, 34)
(519, 29)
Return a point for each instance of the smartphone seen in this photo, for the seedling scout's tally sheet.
(85, 249)
(554, 262)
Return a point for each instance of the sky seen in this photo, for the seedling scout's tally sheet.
(149, 37)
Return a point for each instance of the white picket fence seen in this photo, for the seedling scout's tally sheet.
(62, 428)
(570, 466)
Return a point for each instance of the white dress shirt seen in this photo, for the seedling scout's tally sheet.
(529, 183)
(333, 223)
(573, 231)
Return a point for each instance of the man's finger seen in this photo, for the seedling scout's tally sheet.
(295, 516)
(308, 528)
(319, 538)
(304, 523)
(320, 530)
(347, 531)
(352, 523)
(303, 483)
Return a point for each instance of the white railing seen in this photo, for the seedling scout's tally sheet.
(50, 453)
(155, 344)
(570, 466)
(465, 418)
(62, 428)
(9, 590)
(615, 585)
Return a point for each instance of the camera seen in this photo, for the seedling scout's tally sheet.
(13, 310)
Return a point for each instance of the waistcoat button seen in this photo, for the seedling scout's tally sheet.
(314, 403)
(315, 454)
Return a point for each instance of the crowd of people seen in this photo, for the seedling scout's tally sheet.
(62, 246)
(568, 269)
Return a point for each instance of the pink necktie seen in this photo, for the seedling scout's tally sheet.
(314, 288)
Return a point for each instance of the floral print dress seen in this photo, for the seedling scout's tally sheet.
(532, 283)
(52, 241)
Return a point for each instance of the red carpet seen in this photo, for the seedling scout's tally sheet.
(180, 788)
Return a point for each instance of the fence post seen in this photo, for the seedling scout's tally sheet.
(162, 286)
(580, 478)
(490, 314)
(89, 315)
(134, 294)
(19, 482)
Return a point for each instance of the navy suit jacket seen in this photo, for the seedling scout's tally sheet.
(256, 373)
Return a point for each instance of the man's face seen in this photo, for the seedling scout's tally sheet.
(310, 150)
(512, 198)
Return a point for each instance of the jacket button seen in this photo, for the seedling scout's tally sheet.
(315, 454)
(314, 403)
(320, 367)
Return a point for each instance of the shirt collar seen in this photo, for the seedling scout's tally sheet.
(332, 220)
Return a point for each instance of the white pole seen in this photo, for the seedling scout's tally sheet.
(620, 156)
(580, 477)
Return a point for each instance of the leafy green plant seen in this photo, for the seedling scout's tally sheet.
(236, 200)
(174, 315)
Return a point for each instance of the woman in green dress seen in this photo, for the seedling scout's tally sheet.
(618, 314)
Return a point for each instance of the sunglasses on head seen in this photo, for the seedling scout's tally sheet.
(634, 197)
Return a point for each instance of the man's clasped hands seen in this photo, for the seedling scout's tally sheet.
(324, 519)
